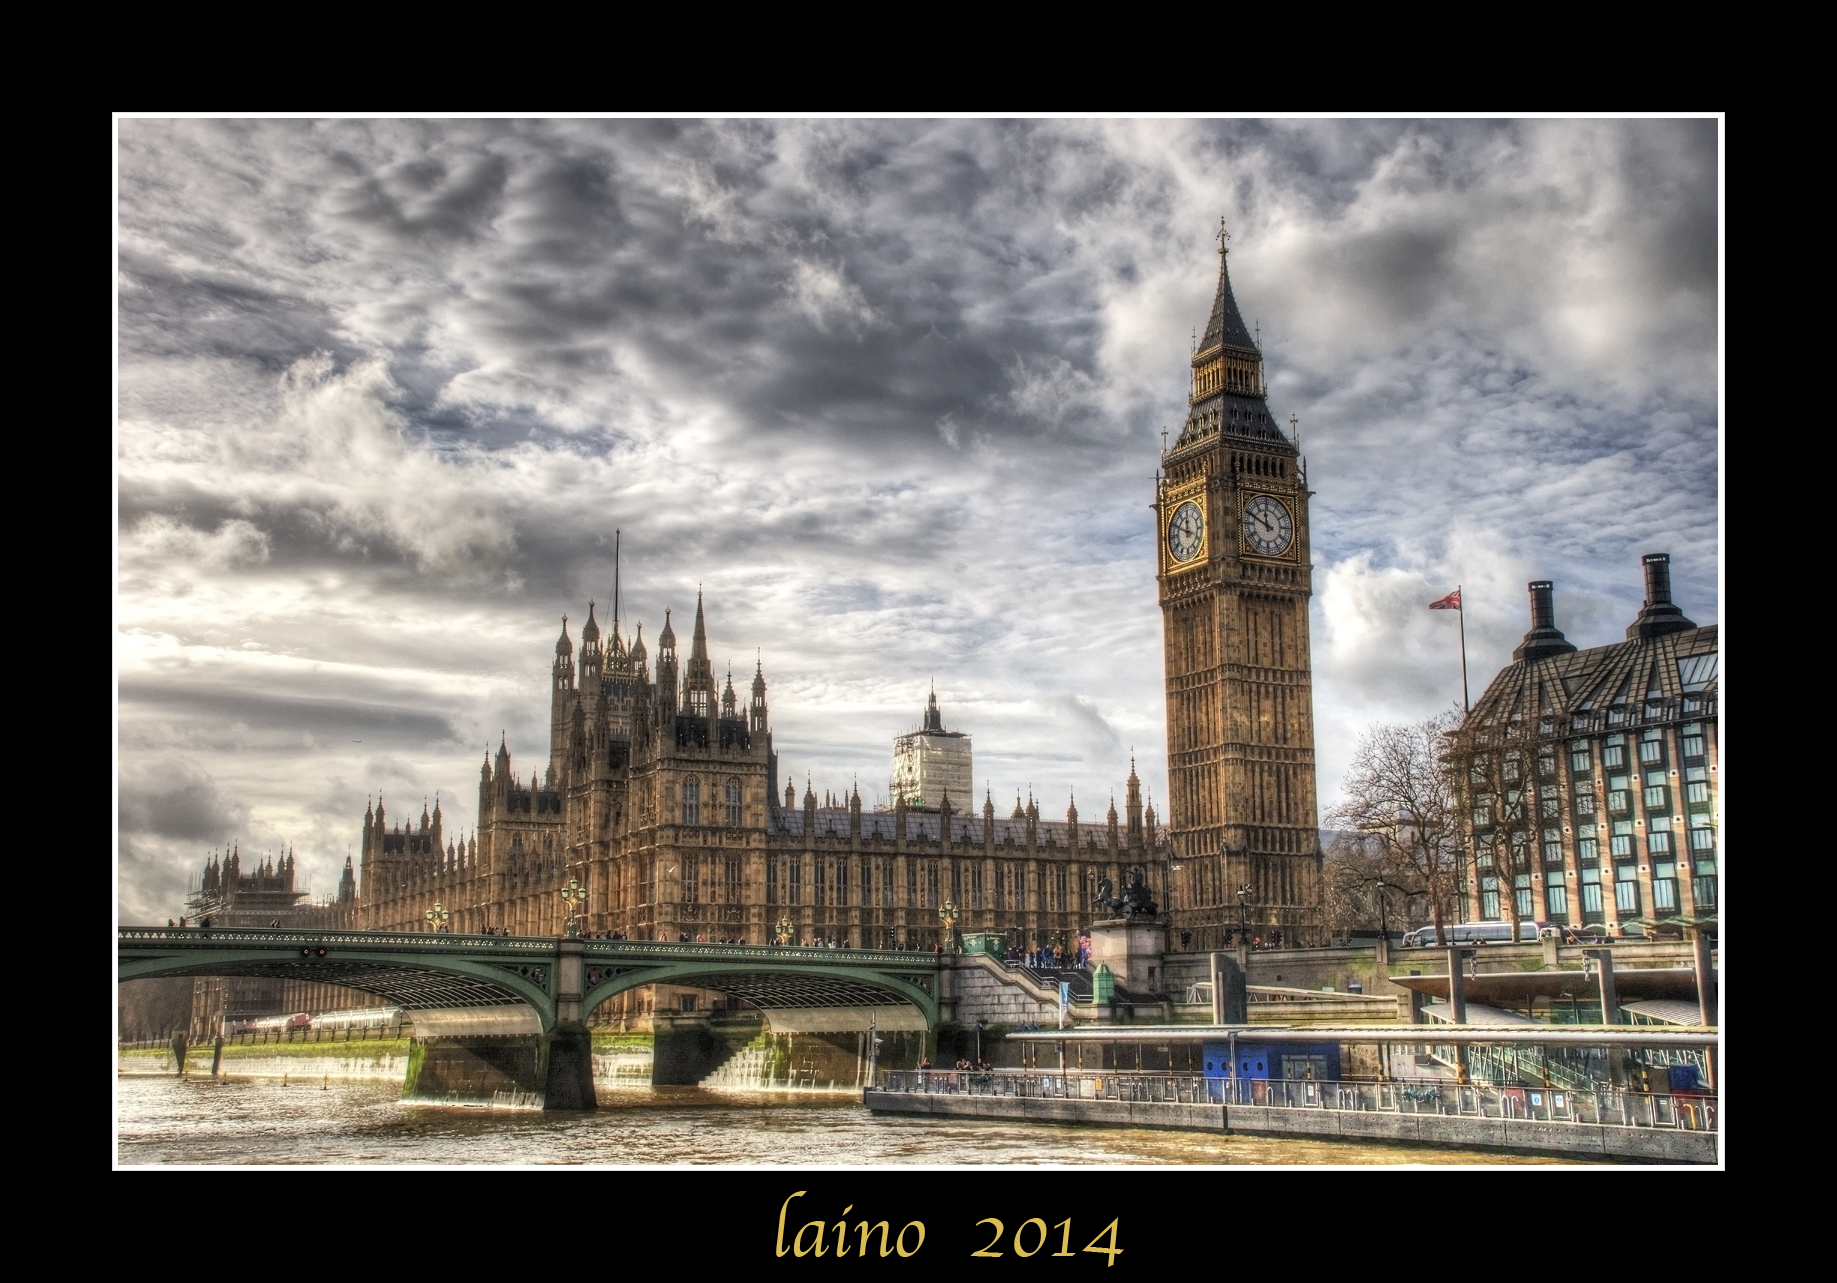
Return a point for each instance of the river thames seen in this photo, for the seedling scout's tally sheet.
(173, 1121)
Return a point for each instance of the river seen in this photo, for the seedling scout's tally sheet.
(168, 1120)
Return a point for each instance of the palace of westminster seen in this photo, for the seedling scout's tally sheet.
(661, 793)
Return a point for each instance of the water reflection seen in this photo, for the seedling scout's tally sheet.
(168, 1120)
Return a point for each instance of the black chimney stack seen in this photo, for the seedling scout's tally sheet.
(1544, 641)
(1658, 616)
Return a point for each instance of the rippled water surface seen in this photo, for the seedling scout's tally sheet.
(169, 1120)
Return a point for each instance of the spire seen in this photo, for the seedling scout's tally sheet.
(934, 721)
(666, 640)
(1226, 325)
(590, 631)
(1228, 396)
(698, 643)
(615, 589)
(564, 646)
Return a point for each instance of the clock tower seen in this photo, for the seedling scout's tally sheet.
(1234, 576)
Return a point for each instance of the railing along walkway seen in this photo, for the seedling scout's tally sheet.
(1603, 1106)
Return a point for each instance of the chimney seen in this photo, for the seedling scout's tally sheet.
(1658, 616)
(1544, 641)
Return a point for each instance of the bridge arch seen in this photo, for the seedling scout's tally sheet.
(421, 977)
(776, 985)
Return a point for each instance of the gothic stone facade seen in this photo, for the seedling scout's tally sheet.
(661, 797)
(1235, 579)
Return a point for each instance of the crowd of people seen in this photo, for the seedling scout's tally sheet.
(1054, 957)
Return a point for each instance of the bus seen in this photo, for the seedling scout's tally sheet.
(1475, 933)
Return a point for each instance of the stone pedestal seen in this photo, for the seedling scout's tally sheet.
(1132, 948)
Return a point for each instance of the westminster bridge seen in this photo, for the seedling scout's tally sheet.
(563, 979)
(560, 980)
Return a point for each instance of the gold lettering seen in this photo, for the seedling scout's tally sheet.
(899, 1243)
(884, 1228)
(797, 1244)
(782, 1249)
(842, 1232)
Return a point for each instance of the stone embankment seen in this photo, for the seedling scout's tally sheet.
(1580, 1140)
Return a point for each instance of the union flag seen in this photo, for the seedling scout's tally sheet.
(1451, 602)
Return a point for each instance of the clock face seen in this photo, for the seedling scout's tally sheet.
(1268, 528)
(1186, 532)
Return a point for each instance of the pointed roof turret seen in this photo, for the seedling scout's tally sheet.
(758, 678)
(1228, 395)
(1225, 327)
(564, 645)
(666, 640)
(590, 631)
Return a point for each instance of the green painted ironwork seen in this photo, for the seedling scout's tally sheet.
(422, 971)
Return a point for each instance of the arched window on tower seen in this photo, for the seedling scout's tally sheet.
(691, 801)
(733, 803)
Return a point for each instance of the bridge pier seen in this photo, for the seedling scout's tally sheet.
(569, 1044)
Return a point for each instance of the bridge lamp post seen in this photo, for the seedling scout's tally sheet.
(784, 930)
(948, 916)
(438, 917)
(1245, 894)
(574, 895)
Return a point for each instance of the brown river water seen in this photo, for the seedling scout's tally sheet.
(197, 1121)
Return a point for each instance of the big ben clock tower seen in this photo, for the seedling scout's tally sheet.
(1232, 512)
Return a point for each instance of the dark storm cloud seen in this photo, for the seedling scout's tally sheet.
(890, 391)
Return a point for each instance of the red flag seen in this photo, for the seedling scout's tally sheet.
(1451, 602)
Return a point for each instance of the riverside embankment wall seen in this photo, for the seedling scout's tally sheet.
(1581, 1140)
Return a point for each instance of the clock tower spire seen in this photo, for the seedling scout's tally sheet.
(1234, 579)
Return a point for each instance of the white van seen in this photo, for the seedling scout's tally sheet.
(1474, 933)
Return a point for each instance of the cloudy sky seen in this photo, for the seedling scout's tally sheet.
(890, 392)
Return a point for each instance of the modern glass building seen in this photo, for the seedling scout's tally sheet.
(1589, 777)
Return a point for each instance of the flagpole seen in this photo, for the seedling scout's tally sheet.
(1466, 707)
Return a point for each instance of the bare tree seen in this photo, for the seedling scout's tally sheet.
(1352, 870)
(1401, 798)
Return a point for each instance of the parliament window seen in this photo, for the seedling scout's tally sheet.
(976, 886)
(911, 884)
(841, 881)
(733, 880)
(1703, 839)
(886, 885)
(1696, 792)
(1658, 841)
(1656, 798)
(771, 881)
(691, 801)
(797, 880)
(1651, 749)
(733, 804)
(1613, 756)
(1693, 746)
(1581, 761)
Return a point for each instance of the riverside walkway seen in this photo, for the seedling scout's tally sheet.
(1600, 1123)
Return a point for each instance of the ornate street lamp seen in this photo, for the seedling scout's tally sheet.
(438, 917)
(784, 931)
(575, 895)
(948, 916)
(1245, 895)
